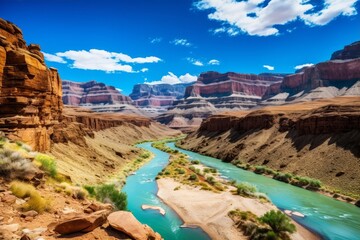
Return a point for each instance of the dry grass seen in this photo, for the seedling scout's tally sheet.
(35, 201)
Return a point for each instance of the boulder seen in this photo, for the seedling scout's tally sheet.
(357, 203)
(126, 222)
(82, 223)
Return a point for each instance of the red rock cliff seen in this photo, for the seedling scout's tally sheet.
(30, 93)
(93, 93)
(212, 84)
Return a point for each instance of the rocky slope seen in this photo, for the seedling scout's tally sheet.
(214, 92)
(317, 139)
(338, 77)
(30, 93)
(91, 147)
(157, 95)
(98, 97)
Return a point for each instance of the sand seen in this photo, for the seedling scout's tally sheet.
(160, 209)
(209, 210)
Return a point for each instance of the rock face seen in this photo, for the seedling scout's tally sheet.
(214, 92)
(91, 93)
(98, 97)
(318, 139)
(349, 52)
(30, 93)
(126, 222)
(338, 77)
(85, 223)
(158, 95)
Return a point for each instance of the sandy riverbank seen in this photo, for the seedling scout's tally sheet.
(209, 210)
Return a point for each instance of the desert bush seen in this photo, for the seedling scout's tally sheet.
(283, 177)
(35, 201)
(47, 163)
(193, 177)
(180, 170)
(195, 161)
(279, 222)
(245, 189)
(145, 155)
(109, 194)
(79, 193)
(21, 189)
(211, 180)
(192, 168)
(13, 165)
(259, 170)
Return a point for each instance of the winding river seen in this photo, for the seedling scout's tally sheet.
(330, 218)
(141, 188)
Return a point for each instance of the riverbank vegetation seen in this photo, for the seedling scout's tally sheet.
(192, 173)
(272, 225)
(298, 181)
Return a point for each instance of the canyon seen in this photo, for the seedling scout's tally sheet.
(318, 139)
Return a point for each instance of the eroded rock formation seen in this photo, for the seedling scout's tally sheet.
(158, 95)
(92, 93)
(30, 93)
(317, 139)
(337, 77)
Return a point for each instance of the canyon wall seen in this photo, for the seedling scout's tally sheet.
(319, 139)
(323, 80)
(30, 93)
(90, 93)
(157, 95)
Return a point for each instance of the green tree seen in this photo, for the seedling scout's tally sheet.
(279, 222)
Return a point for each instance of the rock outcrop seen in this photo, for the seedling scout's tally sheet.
(84, 223)
(337, 77)
(30, 93)
(98, 97)
(317, 139)
(214, 92)
(349, 52)
(157, 95)
(126, 222)
(91, 93)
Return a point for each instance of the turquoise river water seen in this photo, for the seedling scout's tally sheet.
(329, 218)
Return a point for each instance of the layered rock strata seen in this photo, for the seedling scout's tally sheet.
(318, 139)
(30, 93)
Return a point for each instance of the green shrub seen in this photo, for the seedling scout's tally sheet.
(193, 177)
(259, 170)
(192, 168)
(245, 189)
(167, 172)
(145, 155)
(47, 163)
(279, 222)
(90, 190)
(211, 180)
(180, 170)
(283, 177)
(195, 161)
(109, 194)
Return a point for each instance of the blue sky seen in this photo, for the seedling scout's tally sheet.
(125, 42)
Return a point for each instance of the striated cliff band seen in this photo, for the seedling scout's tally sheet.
(30, 93)
(98, 97)
(318, 139)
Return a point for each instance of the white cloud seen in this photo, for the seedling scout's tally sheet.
(181, 42)
(231, 31)
(303, 65)
(195, 62)
(173, 79)
(155, 40)
(214, 62)
(102, 60)
(268, 67)
(144, 70)
(53, 58)
(255, 19)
